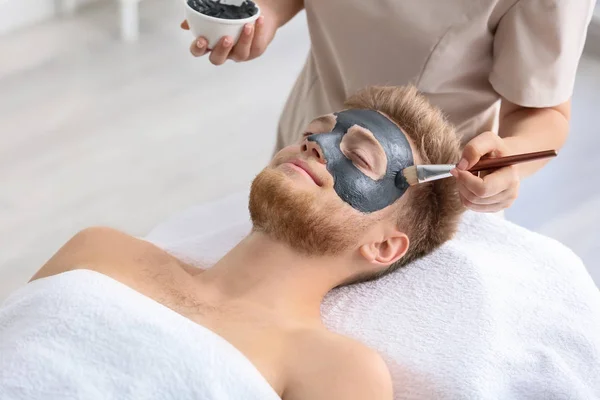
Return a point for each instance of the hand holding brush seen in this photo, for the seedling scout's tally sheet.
(487, 194)
(426, 173)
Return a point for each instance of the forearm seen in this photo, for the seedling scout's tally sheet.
(534, 129)
(285, 10)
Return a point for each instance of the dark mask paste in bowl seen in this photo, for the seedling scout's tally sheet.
(224, 11)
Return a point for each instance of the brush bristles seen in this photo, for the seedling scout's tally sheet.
(410, 174)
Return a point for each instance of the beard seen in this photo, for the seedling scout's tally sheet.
(303, 220)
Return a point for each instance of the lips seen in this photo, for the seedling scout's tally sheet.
(304, 166)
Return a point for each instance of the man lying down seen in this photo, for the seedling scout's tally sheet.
(111, 316)
(328, 211)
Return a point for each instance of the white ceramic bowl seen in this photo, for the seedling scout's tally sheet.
(213, 29)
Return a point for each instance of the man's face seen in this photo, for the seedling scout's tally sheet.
(322, 195)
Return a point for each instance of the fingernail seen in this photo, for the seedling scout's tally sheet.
(260, 20)
(462, 165)
(200, 44)
(248, 29)
(454, 172)
(227, 42)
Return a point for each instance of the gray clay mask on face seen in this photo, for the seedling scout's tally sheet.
(354, 187)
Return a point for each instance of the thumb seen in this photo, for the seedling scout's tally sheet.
(476, 148)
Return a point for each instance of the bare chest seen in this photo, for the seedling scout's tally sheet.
(264, 341)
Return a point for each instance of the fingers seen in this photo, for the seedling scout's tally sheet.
(487, 143)
(491, 184)
(261, 38)
(493, 193)
(185, 26)
(220, 53)
(507, 196)
(199, 47)
(252, 43)
(241, 50)
(487, 208)
(501, 203)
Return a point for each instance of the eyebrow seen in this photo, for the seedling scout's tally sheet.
(368, 134)
(325, 119)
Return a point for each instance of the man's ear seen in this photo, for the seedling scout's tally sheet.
(388, 251)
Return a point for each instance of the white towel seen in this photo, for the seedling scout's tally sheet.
(497, 313)
(82, 335)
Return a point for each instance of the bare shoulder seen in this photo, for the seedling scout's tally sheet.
(333, 366)
(78, 251)
(104, 250)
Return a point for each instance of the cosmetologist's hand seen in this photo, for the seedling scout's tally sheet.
(252, 43)
(490, 191)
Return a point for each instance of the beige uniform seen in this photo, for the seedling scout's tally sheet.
(462, 54)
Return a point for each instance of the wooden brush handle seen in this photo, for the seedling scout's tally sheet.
(499, 162)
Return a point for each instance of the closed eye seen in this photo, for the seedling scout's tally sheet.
(361, 147)
(359, 159)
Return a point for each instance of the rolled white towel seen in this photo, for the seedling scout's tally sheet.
(83, 335)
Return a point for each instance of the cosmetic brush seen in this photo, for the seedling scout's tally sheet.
(427, 173)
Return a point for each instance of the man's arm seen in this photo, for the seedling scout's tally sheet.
(527, 130)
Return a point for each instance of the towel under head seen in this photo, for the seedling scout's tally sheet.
(497, 313)
(83, 335)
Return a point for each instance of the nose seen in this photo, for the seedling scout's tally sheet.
(313, 149)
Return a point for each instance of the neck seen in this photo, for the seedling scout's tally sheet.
(266, 273)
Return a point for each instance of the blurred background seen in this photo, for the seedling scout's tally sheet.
(105, 119)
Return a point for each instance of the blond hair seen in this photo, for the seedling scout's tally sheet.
(431, 213)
